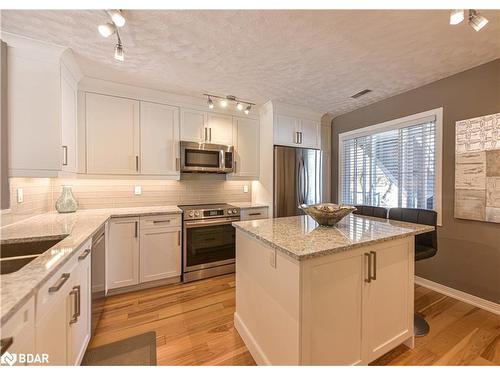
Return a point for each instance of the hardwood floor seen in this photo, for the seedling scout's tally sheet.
(194, 326)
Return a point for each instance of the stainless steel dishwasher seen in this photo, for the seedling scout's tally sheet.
(98, 264)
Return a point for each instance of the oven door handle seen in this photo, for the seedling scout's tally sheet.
(208, 223)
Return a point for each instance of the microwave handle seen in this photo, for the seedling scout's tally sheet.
(222, 161)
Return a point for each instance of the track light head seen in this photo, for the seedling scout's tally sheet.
(107, 29)
(223, 103)
(210, 103)
(119, 54)
(456, 16)
(476, 21)
(247, 109)
(117, 17)
(239, 106)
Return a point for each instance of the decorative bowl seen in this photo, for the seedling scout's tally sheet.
(327, 214)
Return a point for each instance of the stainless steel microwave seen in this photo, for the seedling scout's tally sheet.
(206, 158)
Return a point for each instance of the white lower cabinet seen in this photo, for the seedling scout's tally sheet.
(143, 249)
(63, 312)
(18, 333)
(122, 253)
(342, 309)
(160, 250)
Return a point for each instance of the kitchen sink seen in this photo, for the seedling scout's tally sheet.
(15, 255)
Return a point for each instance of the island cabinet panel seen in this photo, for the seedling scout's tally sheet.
(345, 308)
(331, 310)
(267, 300)
(388, 299)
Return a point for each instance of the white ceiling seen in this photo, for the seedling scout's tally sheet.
(317, 59)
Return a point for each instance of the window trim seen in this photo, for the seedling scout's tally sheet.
(399, 123)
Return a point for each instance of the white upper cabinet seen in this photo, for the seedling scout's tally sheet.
(310, 134)
(286, 130)
(112, 125)
(159, 139)
(296, 127)
(246, 143)
(219, 129)
(193, 125)
(68, 120)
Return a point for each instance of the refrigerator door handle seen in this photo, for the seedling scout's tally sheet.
(306, 181)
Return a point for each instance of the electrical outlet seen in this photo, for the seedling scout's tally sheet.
(20, 195)
(245, 188)
(138, 190)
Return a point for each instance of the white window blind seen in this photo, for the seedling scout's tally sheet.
(391, 168)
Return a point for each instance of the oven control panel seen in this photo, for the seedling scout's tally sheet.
(212, 213)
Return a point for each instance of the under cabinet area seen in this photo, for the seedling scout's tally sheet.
(142, 249)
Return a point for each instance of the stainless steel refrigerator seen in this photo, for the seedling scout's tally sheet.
(297, 179)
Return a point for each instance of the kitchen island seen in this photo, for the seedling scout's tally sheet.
(312, 295)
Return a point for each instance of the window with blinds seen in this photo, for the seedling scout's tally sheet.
(393, 167)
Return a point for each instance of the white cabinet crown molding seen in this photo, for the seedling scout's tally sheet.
(32, 48)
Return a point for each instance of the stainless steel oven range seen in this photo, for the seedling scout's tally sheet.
(208, 240)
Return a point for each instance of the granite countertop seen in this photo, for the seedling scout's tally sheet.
(76, 228)
(248, 205)
(300, 237)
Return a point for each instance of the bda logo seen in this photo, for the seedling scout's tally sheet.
(8, 359)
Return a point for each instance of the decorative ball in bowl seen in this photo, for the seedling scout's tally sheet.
(327, 214)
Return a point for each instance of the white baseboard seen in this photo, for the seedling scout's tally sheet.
(458, 294)
(255, 350)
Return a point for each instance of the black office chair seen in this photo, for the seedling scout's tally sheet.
(373, 211)
(425, 247)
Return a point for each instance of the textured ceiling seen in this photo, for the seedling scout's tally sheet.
(317, 59)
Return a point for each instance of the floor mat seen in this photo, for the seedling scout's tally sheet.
(138, 350)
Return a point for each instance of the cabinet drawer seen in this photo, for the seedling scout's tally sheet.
(160, 221)
(59, 282)
(253, 213)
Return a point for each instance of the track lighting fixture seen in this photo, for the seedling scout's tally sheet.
(117, 17)
(110, 28)
(225, 100)
(456, 16)
(476, 21)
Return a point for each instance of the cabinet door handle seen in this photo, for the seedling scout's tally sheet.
(368, 279)
(210, 134)
(64, 277)
(136, 163)
(84, 254)
(77, 304)
(296, 139)
(136, 229)
(179, 238)
(65, 155)
(5, 344)
(374, 277)
(161, 221)
(300, 135)
(177, 164)
(234, 169)
(206, 138)
(254, 214)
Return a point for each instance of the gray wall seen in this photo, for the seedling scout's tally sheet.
(468, 257)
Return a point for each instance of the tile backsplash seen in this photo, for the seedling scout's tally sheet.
(40, 194)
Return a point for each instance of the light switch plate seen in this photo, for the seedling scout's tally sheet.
(245, 188)
(20, 195)
(138, 190)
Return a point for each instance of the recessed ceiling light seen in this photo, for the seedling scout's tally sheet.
(107, 29)
(456, 16)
